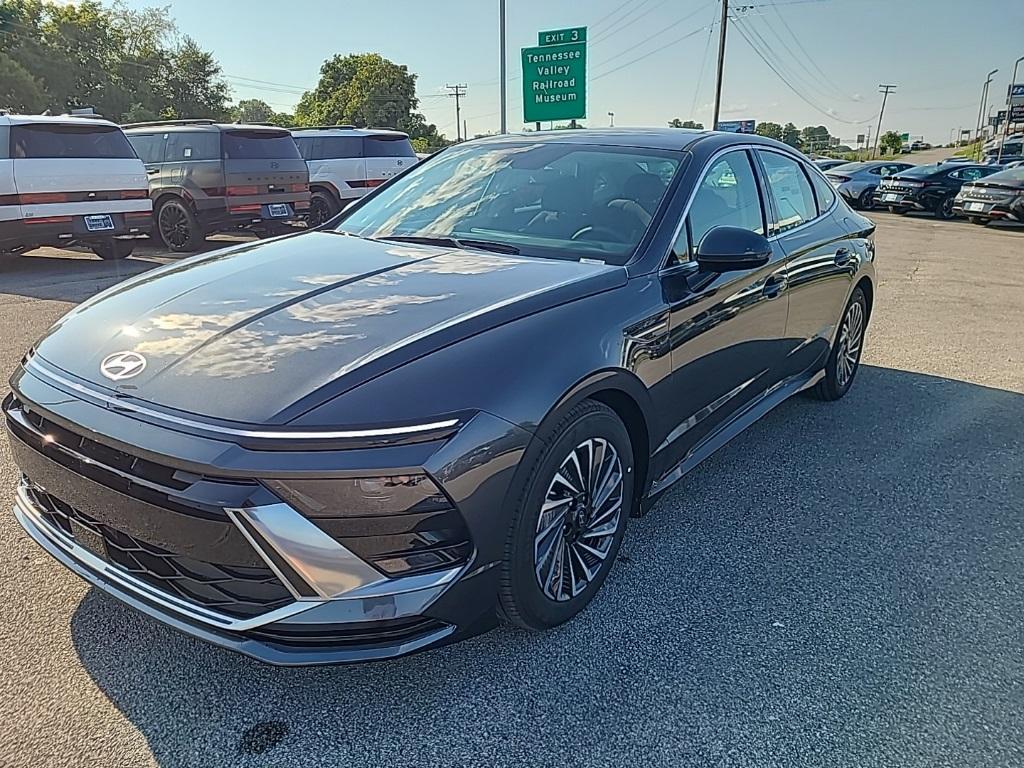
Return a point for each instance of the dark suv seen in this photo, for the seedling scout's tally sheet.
(206, 177)
(929, 187)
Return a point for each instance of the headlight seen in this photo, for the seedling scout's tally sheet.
(400, 524)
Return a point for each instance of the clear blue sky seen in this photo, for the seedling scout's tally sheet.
(644, 63)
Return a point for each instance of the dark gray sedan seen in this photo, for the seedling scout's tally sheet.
(857, 182)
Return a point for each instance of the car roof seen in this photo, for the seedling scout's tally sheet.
(54, 120)
(648, 138)
(172, 126)
(343, 130)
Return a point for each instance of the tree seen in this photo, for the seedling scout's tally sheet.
(814, 138)
(791, 135)
(362, 90)
(193, 86)
(771, 130)
(891, 142)
(675, 122)
(252, 111)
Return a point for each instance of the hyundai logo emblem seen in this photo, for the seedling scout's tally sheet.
(122, 365)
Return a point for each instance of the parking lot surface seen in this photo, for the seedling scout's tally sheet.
(839, 586)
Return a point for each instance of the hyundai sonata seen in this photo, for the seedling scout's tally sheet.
(443, 406)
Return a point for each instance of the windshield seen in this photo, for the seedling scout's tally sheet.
(548, 199)
(1015, 175)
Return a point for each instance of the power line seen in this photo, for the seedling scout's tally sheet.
(613, 31)
(632, 49)
(649, 53)
(703, 67)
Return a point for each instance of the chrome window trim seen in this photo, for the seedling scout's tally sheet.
(349, 434)
(703, 172)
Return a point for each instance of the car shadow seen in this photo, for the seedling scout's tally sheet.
(839, 584)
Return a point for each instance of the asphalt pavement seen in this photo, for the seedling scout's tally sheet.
(840, 586)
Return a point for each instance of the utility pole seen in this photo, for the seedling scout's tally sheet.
(1009, 110)
(458, 91)
(867, 145)
(501, 67)
(885, 90)
(981, 107)
(721, 63)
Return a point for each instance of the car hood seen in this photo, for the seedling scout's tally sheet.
(246, 333)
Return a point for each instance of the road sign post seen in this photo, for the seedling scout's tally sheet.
(555, 76)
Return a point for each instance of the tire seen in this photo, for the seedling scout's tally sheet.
(178, 226)
(977, 220)
(322, 207)
(944, 210)
(899, 211)
(866, 201)
(839, 375)
(570, 520)
(112, 249)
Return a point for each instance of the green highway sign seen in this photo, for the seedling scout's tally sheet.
(561, 36)
(555, 81)
(905, 136)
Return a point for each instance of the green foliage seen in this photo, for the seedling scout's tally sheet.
(791, 135)
(770, 130)
(814, 138)
(890, 142)
(675, 122)
(252, 111)
(125, 63)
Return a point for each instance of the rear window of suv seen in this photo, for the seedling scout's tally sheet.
(259, 145)
(388, 146)
(59, 140)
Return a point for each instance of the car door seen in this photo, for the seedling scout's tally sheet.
(821, 257)
(150, 149)
(725, 329)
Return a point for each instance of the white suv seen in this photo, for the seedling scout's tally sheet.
(70, 181)
(346, 162)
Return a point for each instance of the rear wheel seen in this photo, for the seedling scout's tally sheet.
(112, 249)
(944, 210)
(844, 359)
(569, 519)
(977, 220)
(900, 211)
(866, 201)
(178, 226)
(322, 207)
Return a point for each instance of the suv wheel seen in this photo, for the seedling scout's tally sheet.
(569, 519)
(844, 360)
(178, 226)
(322, 207)
(112, 249)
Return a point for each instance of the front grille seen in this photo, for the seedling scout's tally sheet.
(238, 591)
(386, 632)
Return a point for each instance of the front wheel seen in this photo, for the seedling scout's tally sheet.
(113, 249)
(569, 518)
(844, 359)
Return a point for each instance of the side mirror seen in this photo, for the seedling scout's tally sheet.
(730, 249)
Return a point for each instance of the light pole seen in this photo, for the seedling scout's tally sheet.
(721, 63)
(501, 66)
(981, 107)
(1009, 110)
(611, 119)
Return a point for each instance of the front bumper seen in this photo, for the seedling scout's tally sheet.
(338, 607)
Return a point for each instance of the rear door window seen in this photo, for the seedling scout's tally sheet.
(63, 140)
(259, 145)
(198, 145)
(790, 189)
(824, 191)
(387, 146)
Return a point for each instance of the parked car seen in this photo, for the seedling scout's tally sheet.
(70, 181)
(346, 162)
(996, 197)
(858, 182)
(446, 405)
(827, 163)
(207, 177)
(1012, 152)
(929, 188)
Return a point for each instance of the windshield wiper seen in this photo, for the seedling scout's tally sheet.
(451, 242)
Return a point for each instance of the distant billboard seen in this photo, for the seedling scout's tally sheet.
(1015, 94)
(736, 126)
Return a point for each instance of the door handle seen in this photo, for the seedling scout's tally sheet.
(151, 171)
(774, 286)
(843, 256)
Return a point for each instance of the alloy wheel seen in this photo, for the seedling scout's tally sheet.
(580, 515)
(850, 339)
(318, 212)
(174, 226)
